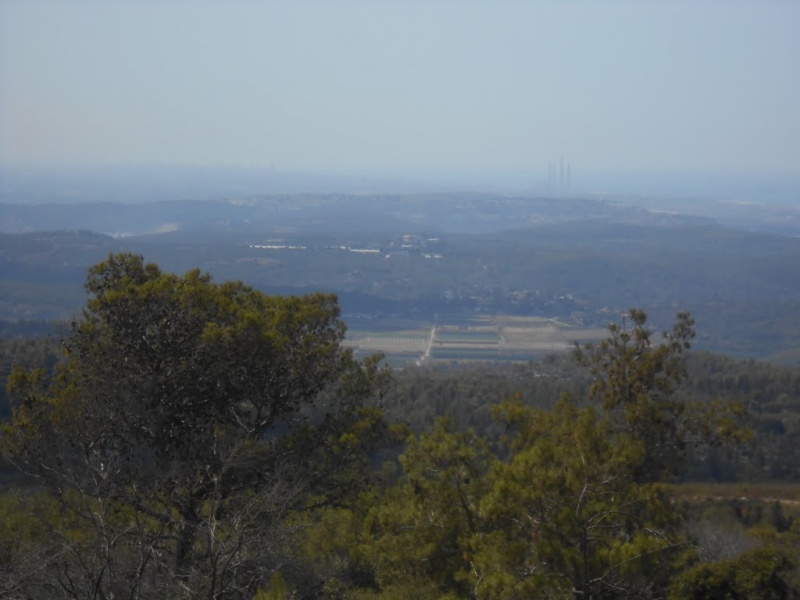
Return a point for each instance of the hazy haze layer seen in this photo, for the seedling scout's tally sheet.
(402, 86)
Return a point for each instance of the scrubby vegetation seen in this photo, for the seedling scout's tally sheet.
(206, 440)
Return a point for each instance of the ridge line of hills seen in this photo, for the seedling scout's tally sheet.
(416, 256)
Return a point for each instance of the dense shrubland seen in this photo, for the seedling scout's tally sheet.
(205, 440)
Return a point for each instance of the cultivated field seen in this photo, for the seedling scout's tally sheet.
(499, 338)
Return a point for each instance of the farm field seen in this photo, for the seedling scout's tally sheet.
(784, 492)
(496, 338)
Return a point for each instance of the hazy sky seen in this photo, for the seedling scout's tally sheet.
(402, 85)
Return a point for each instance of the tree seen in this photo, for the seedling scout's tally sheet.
(188, 419)
(565, 516)
(418, 541)
(570, 504)
(634, 383)
(761, 572)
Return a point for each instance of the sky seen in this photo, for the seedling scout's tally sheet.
(394, 86)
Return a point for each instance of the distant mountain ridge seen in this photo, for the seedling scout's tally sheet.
(446, 213)
(416, 256)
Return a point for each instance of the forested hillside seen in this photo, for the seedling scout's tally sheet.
(583, 261)
(206, 440)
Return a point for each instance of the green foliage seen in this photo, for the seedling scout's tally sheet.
(759, 573)
(568, 505)
(21, 550)
(275, 590)
(43, 353)
(421, 528)
(635, 383)
(189, 418)
(769, 397)
(207, 440)
(568, 509)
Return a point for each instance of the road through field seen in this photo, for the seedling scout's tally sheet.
(427, 354)
(500, 338)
